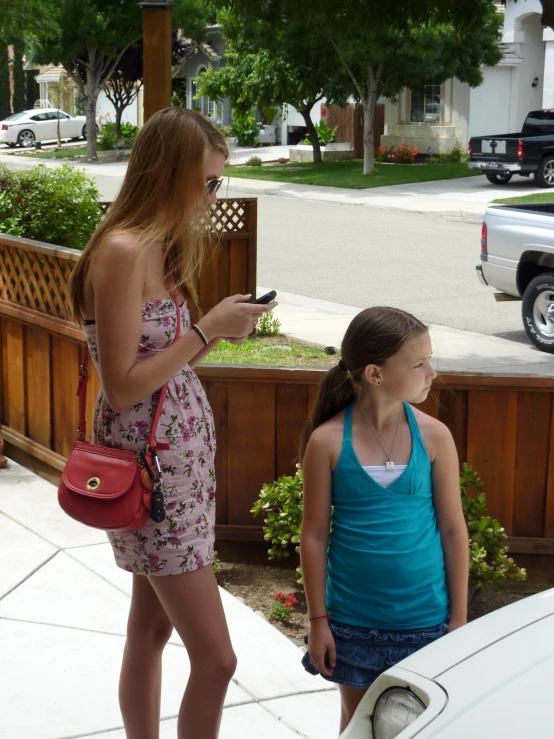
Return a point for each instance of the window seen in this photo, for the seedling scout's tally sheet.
(426, 105)
(539, 123)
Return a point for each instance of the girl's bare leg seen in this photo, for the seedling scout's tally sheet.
(148, 631)
(193, 604)
(349, 700)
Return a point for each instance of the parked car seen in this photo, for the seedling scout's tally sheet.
(41, 124)
(517, 258)
(491, 679)
(530, 151)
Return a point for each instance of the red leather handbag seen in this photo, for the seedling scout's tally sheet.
(113, 489)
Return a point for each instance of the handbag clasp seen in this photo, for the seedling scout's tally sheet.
(93, 483)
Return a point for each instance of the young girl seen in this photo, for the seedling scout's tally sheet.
(147, 250)
(391, 576)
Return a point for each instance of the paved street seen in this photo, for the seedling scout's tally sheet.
(366, 254)
(361, 256)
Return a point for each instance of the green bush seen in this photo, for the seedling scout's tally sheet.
(107, 138)
(58, 206)
(268, 325)
(246, 129)
(281, 502)
(456, 156)
(325, 134)
(254, 162)
(489, 563)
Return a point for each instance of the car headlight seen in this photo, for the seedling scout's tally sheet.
(396, 709)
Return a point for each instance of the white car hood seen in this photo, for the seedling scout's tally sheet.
(453, 649)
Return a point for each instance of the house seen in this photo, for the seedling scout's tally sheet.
(212, 53)
(48, 81)
(441, 115)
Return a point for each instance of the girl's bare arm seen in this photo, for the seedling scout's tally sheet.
(118, 278)
(316, 520)
(451, 522)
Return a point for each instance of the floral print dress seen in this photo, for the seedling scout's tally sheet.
(185, 540)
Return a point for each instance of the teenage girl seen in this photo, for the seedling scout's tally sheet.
(135, 274)
(384, 545)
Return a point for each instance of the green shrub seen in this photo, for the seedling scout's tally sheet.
(281, 502)
(128, 132)
(268, 325)
(456, 156)
(489, 563)
(254, 162)
(107, 139)
(325, 134)
(58, 206)
(246, 129)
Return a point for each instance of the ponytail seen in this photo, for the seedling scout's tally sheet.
(373, 337)
(335, 392)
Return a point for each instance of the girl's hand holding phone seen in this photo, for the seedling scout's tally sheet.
(234, 317)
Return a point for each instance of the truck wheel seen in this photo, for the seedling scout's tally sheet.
(538, 311)
(498, 179)
(544, 176)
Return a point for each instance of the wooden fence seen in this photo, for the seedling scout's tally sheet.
(350, 121)
(503, 426)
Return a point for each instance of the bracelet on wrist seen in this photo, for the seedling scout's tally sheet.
(320, 618)
(201, 334)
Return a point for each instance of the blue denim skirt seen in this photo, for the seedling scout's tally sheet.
(363, 654)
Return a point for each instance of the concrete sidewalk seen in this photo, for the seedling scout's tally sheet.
(322, 323)
(63, 612)
(465, 198)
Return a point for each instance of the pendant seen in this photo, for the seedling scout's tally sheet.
(389, 466)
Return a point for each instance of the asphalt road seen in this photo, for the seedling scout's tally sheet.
(362, 256)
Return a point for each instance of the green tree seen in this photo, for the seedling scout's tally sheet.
(18, 77)
(20, 18)
(5, 108)
(272, 59)
(384, 47)
(383, 60)
(93, 36)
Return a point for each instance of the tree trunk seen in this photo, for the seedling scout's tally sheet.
(369, 102)
(58, 131)
(118, 115)
(18, 78)
(5, 107)
(90, 112)
(312, 133)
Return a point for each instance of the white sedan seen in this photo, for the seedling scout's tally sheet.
(41, 124)
(491, 679)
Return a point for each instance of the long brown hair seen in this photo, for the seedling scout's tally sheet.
(167, 164)
(373, 337)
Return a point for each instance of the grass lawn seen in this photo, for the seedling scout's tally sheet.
(539, 197)
(349, 174)
(61, 154)
(271, 350)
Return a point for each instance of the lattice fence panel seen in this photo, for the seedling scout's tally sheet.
(228, 215)
(35, 280)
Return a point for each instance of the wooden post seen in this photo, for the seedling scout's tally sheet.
(157, 24)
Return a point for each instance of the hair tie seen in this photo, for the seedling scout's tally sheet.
(342, 366)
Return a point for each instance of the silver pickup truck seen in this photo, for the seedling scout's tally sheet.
(517, 258)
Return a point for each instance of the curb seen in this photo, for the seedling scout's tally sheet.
(462, 215)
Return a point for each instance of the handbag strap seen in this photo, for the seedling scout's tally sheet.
(83, 382)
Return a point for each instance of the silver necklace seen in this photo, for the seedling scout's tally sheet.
(389, 466)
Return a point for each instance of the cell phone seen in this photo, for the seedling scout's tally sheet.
(265, 299)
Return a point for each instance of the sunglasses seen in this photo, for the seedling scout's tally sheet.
(213, 185)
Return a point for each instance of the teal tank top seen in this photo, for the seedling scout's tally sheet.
(385, 563)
